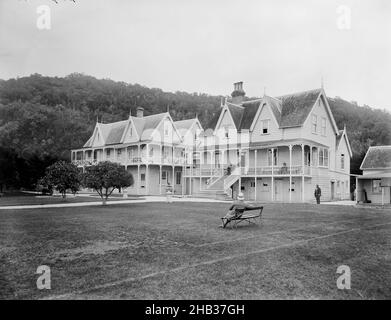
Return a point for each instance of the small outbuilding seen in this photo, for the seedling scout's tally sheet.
(374, 186)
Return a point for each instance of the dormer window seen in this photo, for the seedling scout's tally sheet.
(265, 126)
(342, 161)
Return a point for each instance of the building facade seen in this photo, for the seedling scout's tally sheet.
(374, 186)
(271, 149)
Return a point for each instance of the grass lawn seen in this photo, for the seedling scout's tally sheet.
(177, 251)
(33, 199)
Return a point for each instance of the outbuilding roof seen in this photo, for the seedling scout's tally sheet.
(377, 157)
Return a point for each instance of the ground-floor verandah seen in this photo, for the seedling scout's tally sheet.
(150, 179)
(275, 188)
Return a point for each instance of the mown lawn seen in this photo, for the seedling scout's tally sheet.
(32, 199)
(177, 251)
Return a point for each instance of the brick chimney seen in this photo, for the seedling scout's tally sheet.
(238, 94)
(140, 112)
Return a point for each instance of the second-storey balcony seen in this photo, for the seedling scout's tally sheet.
(204, 171)
(125, 157)
(275, 171)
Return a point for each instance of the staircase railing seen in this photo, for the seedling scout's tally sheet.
(232, 178)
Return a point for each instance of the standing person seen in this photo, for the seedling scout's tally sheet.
(317, 193)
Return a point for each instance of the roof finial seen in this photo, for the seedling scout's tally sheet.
(168, 108)
(221, 101)
(196, 115)
(264, 91)
(97, 119)
(321, 82)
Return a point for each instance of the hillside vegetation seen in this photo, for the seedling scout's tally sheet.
(42, 118)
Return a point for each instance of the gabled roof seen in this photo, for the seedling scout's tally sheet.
(249, 111)
(289, 110)
(150, 123)
(185, 125)
(276, 105)
(296, 107)
(88, 143)
(378, 157)
(339, 136)
(342, 134)
(213, 121)
(236, 113)
(113, 133)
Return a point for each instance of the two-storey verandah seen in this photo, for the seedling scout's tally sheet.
(154, 165)
(264, 170)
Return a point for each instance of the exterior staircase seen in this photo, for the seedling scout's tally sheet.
(218, 186)
(216, 183)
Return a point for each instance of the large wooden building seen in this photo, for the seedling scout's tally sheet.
(271, 149)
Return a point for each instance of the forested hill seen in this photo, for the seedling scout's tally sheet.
(42, 118)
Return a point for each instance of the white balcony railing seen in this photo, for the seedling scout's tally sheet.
(87, 162)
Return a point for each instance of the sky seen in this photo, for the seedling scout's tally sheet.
(277, 47)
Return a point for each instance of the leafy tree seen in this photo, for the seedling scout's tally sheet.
(106, 176)
(62, 176)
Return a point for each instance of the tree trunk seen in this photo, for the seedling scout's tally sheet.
(104, 201)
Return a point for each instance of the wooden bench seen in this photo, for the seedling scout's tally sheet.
(251, 218)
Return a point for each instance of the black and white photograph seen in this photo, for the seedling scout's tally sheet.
(208, 152)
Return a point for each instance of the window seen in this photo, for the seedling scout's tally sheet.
(142, 177)
(226, 132)
(151, 152)
(314, 123)
(342, 161)
(323, 128)
(326, 157)
(265, 126)
(131, 131)
(166, 153)
(314, 157)
(376, 186)
(323, 157)
(108, 152)
(166, 128)
(164, 176)
(178, 177)
(119, 152)
(269, 157)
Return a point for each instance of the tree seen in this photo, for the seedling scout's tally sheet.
(62, 176)
(105, 177)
